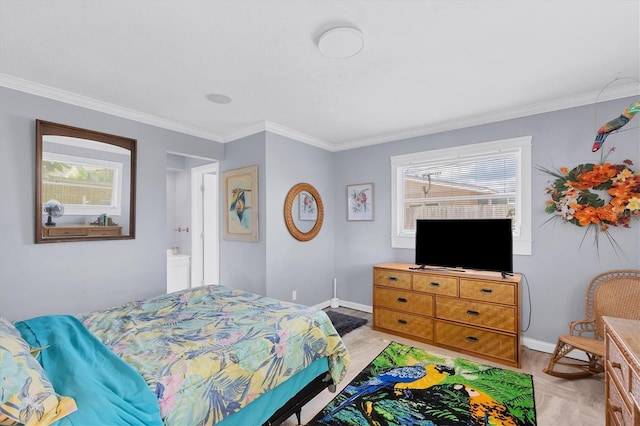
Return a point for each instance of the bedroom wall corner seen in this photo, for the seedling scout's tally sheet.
(243, 264)
(292, 265)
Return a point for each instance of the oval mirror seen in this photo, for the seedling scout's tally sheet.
(85, 184)
(303, 212)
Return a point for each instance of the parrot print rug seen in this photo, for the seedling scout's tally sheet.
(404, 385)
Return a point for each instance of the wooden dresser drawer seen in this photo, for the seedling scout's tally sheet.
(403, 323)
(618, 366)
(82, 231)
(622, 371)
(66, 231)
(105, 231)
(403, 300)
(388, 277)
(617, 409)
(476, 313)
(436, 284)
(635, 389)
(488, 291)
(477, 340)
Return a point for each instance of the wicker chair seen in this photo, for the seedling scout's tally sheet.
(614, 294)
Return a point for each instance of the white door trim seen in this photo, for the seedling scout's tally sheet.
(197, 218)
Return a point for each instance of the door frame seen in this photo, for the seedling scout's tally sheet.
(197, 219)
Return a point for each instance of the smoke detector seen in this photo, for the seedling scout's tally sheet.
(341, 42)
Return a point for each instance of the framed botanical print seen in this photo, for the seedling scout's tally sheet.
(360, 202)
(308, 209)
(240, 188)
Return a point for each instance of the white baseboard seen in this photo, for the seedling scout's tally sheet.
(320, 306)
(345, 304)
(356, 306)
(536, 345)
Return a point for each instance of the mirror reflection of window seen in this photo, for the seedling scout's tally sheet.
(85, 176)
(91, 177)
(82, 183)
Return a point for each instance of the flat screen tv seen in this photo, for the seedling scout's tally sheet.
(480, 244)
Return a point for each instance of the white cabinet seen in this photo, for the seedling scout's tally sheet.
(177, 272)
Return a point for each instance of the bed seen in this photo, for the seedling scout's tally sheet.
(203, 356)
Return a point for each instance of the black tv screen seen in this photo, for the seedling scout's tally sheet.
(480, 244)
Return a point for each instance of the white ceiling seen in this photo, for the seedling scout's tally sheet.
(426, 66)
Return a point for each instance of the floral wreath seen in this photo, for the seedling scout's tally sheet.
(573, 201)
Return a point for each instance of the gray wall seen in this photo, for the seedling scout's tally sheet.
(306, 267)
(74, 277)
(39, 279)
(243, 264)
(278, 264)
(558, 271)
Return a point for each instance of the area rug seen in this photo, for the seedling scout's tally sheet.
(409, 386)
(344, 323)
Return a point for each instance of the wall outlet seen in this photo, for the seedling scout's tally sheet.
(294, 295)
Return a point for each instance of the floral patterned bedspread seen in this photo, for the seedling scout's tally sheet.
(209, 351)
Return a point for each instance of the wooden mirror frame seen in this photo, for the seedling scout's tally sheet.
(45, 128)
(288, 212)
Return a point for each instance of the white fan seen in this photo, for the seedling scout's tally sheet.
(53, 208)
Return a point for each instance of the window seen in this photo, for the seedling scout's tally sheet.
(84, 186)
(485, 180)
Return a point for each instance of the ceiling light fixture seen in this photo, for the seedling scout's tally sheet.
(218, 98)
(341, 42)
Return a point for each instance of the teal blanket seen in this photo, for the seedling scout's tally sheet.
(106, 389)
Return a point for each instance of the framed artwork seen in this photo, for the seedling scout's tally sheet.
(360, 201)
(308, 209)
(240, 188)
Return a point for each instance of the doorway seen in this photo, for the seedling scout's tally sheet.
(205, 257)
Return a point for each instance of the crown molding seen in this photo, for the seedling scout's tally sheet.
(37, 89)
(612, 93)
(299, 136)
(278, 129)
(527, 110)
(243, 133)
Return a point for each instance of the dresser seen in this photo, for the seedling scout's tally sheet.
(622, 371)
(473, 312)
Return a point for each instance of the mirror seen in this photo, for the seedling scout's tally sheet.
(85, 184)
(303, 212)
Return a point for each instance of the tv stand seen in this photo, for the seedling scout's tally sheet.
(473, 312)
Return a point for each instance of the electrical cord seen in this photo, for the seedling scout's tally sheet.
(526, 281)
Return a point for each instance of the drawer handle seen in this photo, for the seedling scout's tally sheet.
(401, 321)
(434, 284)
(474, 313)
(402, 300)
(616, 365)
(472, 339)
(486, 290)
(392, 279)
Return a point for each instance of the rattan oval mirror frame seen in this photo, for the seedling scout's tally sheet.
(288, 212)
